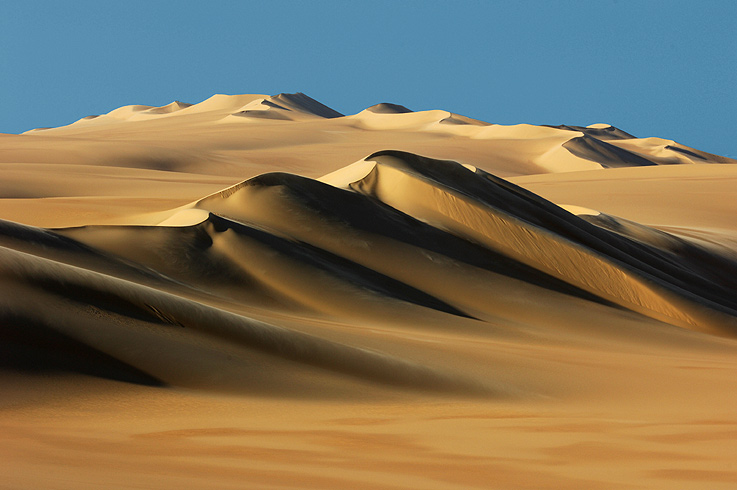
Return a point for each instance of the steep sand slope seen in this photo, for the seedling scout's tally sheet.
(518, 224)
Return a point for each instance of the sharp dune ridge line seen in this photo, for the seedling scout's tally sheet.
(389, 299)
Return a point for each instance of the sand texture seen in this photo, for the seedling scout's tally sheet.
(261, 292)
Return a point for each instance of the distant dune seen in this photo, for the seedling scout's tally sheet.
(259, 291)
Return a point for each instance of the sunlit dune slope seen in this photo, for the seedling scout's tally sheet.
(520, 225)
(394, 231)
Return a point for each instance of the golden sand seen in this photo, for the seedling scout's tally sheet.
(260, 292)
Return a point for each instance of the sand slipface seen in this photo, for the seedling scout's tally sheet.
(261, 291)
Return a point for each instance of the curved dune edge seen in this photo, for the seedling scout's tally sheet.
(450, 197)
(455, 199)
(393, 233)
(185, 217)
(447, 204)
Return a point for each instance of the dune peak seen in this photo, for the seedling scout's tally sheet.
(304, 103)
(388, 108)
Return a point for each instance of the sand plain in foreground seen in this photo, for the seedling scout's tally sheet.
(260, 291)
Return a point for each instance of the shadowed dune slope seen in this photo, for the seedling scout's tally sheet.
(162, 331)
(600, 131)
(304, 103)
(675, 285)
(598, 150)
(395, 231)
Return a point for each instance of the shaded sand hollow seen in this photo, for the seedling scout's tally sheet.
(261, 292)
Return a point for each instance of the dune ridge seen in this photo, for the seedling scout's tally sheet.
(396, 231)
(117, 308)
(511, 234)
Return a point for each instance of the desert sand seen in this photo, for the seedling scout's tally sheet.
(261, 292)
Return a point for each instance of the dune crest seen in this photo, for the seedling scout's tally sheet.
(388, 108)
(607, 265)
(640, 269)
(393, 229)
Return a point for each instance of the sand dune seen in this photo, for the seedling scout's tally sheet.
(500, 216)
(392, 234)
(260, 291)
(240, 136)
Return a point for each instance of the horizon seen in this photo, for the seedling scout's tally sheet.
(666, 71)
(344, 114)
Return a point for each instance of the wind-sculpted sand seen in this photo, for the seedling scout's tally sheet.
(260, 292)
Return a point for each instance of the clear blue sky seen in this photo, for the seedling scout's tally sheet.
(653, 68)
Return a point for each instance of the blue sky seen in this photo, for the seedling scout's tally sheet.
(652, 68)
